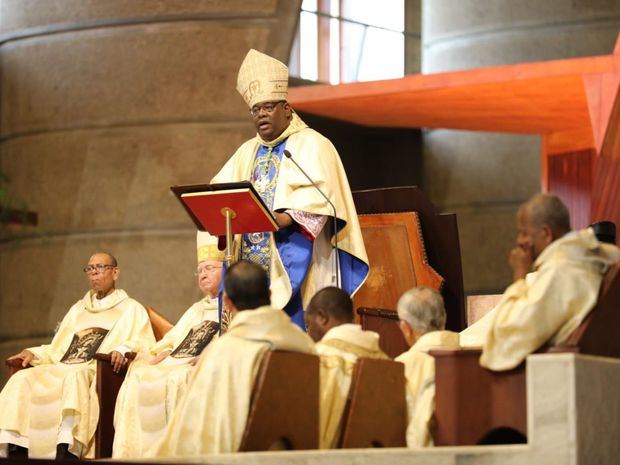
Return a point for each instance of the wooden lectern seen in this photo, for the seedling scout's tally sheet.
(226, 209)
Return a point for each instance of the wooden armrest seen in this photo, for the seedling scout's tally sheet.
(107, 357)
(465, 352)
(14, 366)
(14, 363)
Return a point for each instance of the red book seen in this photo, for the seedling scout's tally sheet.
(206, 204)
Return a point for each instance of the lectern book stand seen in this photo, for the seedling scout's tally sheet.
(226, 209)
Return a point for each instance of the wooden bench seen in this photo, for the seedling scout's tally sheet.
(284, 409)
(376, 411)
(474, 405)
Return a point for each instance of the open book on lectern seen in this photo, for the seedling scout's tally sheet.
(206, 204)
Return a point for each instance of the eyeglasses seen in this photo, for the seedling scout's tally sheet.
(206, 268)
(97, 268)
(269, 107)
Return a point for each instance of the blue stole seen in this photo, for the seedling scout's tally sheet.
(294, 248)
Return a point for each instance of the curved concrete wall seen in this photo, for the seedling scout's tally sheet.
(103, 106)
(484, 177)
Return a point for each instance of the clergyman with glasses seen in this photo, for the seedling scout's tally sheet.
(157, 379)
(49, 410)
(299, 257)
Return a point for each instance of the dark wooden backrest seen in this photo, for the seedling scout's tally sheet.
(597, 333)
(160, 324)
(376, 411)
(108, 385)
(385, 323)
(284, 410)
(397, 258)
(441, 242)
(471, 401)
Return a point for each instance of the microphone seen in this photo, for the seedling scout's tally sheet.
(336, 274)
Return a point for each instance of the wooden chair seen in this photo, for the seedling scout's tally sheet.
(376, 411)
(406, 241)
(474, 405)
(108, 385)
(284, 410)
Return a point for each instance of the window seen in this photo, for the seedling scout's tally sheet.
(349, 40)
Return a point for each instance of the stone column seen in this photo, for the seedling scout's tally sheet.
(484, 177)
(413, 36)
(104, 105)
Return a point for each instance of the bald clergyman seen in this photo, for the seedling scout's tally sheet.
(339, 343)
(557, 276)
(51, 410)
(298, 257)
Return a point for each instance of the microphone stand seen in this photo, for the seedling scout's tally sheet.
(336, 275)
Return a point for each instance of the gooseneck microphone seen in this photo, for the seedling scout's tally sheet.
(336, 275)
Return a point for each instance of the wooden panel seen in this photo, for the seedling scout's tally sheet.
(570, 177)
(108, 385)
(471, 401)
(606, 190)
(284, 412)
(441, 237)
(536, 98)
(397, 259)
(376, 410)
(385, 323)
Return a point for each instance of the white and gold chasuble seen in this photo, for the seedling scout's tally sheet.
(318, 157)
(339, 350)
(212, 415)
(150, 393)
(420, 374)
(550, 303)
(55, 401)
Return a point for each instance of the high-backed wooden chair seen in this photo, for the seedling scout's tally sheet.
(376, 411)
(474, 405)
(108, 385)
(408, 243)
(284, 410)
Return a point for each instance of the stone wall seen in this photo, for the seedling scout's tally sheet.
(484, 177)
(103, 106)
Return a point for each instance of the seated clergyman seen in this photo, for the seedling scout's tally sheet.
(212, 414)
(422, 317)
(155, 382)
(329, 320)
(50, 410)
(548, 304)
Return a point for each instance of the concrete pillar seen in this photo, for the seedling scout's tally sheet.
(413, 36)
(484, 177)
(103, 106)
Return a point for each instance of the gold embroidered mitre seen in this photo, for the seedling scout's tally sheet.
(262, 79)
(206, 247)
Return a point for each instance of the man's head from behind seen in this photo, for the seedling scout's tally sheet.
(102, 272)
(328, 308)
(540, 221)
(420, 310)
(246, 287)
